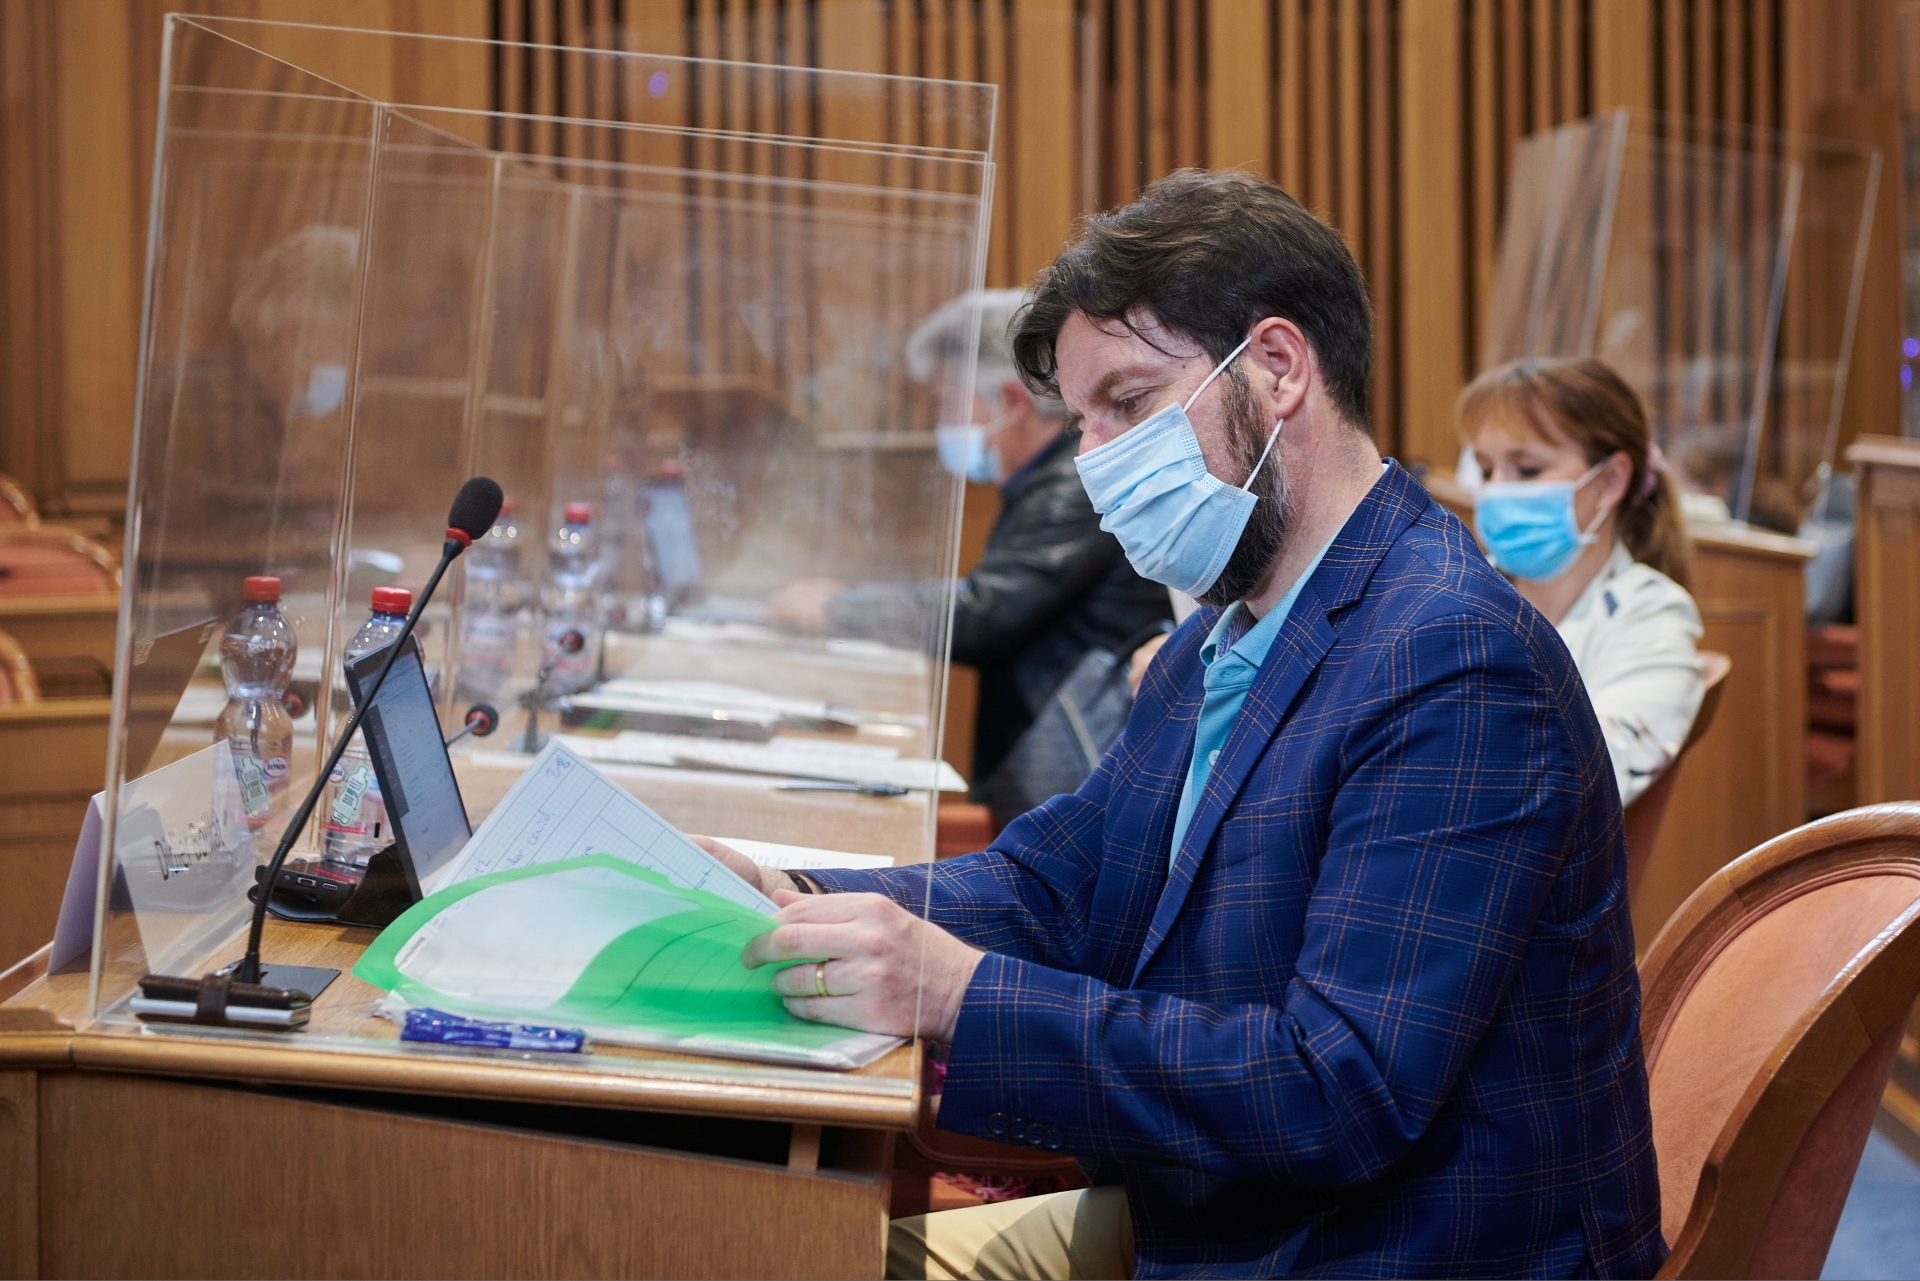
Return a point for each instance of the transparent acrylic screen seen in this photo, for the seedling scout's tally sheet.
(697, 334)
(1716, 269)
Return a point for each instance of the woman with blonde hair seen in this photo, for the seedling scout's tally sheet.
(1576, 507)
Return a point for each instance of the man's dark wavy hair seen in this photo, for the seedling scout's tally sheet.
(1210, 254)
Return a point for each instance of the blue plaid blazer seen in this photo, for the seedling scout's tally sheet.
(1380, 1017)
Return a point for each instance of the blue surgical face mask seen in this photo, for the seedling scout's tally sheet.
(326, 388)
(1177, 522)
(1529, 526)
(966, 450)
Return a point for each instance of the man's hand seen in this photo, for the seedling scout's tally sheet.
(886, 970)
(802, 604)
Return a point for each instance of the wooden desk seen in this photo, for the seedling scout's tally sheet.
(1745, 782)
(1887, 606)
(131, 1152)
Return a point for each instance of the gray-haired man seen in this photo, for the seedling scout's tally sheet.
(1051, 585)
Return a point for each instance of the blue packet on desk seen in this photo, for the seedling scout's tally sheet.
(437, 1027)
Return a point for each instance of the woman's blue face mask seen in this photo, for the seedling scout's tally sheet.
(1529, 526)
(1177, 522)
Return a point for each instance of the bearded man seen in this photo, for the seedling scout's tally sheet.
(1327, 970)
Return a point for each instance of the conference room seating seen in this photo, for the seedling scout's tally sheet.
(16, 507)
(17, 683)
(1773, 1003)
(41, 561)
(1644, 815)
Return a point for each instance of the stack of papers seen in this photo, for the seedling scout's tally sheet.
(575, 904)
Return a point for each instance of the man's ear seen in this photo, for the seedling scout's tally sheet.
(1282, 361)
(1014, 397)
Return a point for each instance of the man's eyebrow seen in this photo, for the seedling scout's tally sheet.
(1114, 377)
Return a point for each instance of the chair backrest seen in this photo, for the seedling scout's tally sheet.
(43, 561)
(1644, 815)
(17, 683)
(1773, 1002)
(16, 508)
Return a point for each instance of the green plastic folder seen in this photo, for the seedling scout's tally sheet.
(601, 943)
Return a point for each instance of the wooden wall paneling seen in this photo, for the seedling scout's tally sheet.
(19, 1174)
(1887, 604)
(1239, 86)
(994, 67)
(1042, 126)
(1432, 325)
(1155, 76)
(1745, 781)
(53, 757)
(119, 1154)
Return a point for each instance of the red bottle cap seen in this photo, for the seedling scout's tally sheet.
(670, 469)
(508, 507)
(579, 514)
(392, 600)
(262, 587)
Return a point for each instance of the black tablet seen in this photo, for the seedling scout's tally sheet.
(402, 734)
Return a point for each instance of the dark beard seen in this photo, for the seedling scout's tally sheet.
(1266, 530)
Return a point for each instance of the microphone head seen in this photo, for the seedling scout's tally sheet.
(570, 642)
(475, 508)
(483, 719)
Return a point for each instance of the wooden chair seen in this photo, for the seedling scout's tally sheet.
(1773, 1002)
(1643, 816)
(41, 561)
(17, 683)
(16, 508)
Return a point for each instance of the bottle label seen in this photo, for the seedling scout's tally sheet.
(346, 806)
(276, 768)
(253, 785)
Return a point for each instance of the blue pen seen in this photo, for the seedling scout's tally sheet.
(437, 1027)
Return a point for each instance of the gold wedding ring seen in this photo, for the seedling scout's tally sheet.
(820, 978)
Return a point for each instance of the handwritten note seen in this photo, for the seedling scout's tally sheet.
(564, 808)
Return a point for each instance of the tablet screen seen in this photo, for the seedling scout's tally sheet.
(410, 759)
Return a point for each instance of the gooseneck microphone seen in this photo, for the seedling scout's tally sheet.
(474, 510)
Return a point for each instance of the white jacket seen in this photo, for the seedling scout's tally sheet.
(1635, 634)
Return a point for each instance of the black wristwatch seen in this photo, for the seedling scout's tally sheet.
(801, 883)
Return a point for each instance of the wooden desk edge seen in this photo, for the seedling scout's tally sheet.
(31, 606)
(1894, 451)
(210, 1060)
(34, 1037)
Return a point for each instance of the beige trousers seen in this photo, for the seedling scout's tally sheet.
(1057, 1237)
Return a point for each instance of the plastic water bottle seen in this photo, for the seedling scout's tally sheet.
(570, 603)
(353, 813)
(256, 657)
(490, 617)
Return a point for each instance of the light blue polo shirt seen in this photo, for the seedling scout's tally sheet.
(1228, 678)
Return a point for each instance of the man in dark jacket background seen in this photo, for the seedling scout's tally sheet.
(1051, 586)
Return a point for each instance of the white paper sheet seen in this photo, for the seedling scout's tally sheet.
(795, 758)
(564, 808)
(801, 858)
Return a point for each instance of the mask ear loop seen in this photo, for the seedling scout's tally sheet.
(1216, 372)
(1599, 517)
(1271, 437)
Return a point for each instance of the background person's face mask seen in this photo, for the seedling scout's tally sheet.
(326, 388)
(1529, 526)
(968, 451)
(1177, 522)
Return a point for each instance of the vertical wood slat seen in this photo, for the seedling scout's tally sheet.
(1352, 126)
(1291, 91)
(1489, 151)
(1239, 114)
(1155, 63)
(1431, 335)
(1187, 116)
(1383, 229)
(1126, 111)
(1321, 125)
(1042, 115)
(993, 45)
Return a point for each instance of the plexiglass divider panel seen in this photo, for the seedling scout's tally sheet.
(673, 331)
(1717, 268)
